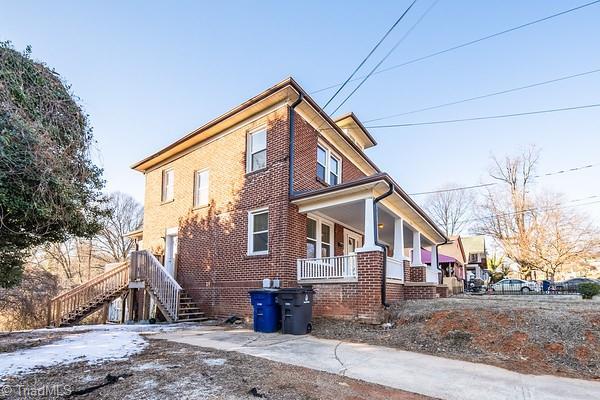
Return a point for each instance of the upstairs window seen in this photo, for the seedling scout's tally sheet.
(257, 150)
(321, 163)
(201, 188)
(334, 170)
(328, 166)
(258, 232)
(168, 185)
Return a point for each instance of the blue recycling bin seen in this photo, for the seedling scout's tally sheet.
(267, 314)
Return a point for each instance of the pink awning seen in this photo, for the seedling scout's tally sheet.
(426, 257)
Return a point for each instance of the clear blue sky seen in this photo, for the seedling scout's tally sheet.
(148, 73)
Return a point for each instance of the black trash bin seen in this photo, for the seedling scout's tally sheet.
(296, 310)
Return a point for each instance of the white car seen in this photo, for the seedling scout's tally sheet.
(514, 285)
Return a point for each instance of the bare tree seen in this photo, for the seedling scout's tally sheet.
(507, 207)
(449, 208)
(563, 238)
(126, 215)
(535, 231)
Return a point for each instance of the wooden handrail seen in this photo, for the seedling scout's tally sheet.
(144, 266)
(79, 299)
(94, 280)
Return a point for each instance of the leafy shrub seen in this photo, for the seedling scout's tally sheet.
(589, 290)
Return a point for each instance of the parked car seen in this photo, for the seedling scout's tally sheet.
(514, 285)
(572, 285)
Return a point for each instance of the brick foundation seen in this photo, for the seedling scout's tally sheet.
(416, 290)
(394, 292)
(442, 291)
(335, 300)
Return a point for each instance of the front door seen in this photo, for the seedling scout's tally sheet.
(352, 241)
(170, 253)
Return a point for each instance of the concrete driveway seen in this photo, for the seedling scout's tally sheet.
(414, 372)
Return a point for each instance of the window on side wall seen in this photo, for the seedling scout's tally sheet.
(257, 150)
(319, 238)
(311, 238)
(258, 232)
(168, 185)
(201, 188)
(329, 166)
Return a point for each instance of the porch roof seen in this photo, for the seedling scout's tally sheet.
(399, 202)
(426, 257)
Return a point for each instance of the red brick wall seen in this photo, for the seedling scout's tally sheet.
(442, 291)
(417, 274)
(212, 263)
(305, 155)
(370, 273)
(337, 300)
(412, 292)
(394, 292)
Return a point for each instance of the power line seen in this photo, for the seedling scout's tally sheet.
(562, 171)
(389, 53)
(557, 207)
(437, 53)
(451, 121)
(486, 95)
(367, 57)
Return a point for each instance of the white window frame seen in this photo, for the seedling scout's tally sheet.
(249, 152)
(251, 233)
(328, 155)
(320, 222)
(201, 184)
(164, 185)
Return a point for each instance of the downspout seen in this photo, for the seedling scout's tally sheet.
(291, 158)
(437, 251)
(377, 243)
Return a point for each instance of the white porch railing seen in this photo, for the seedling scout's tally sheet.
(339, 267)
(395, 269)
(144, 266)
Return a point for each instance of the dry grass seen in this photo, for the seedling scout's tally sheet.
(558, 338)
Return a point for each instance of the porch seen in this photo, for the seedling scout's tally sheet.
(355, 232)
(345, 220)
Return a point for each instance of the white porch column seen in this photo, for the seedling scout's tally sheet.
(432, 270)
(416, 255)
(399, 239)
(434, 258)
(369, 239)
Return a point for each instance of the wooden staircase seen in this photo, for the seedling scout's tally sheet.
(189, 310)
(142, 268)
(76, 304)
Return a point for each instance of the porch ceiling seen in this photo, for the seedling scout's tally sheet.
(352, 215)
(346, 200)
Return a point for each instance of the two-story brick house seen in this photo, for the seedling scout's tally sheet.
(275, 188)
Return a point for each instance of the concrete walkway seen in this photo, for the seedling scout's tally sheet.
(414, 372)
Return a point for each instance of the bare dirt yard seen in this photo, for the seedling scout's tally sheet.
(522, 334)
(167, 370)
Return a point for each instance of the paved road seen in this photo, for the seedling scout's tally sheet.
(414, 372)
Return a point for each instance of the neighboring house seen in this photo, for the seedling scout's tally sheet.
(275, 188)
(451, 258)
(476, 255)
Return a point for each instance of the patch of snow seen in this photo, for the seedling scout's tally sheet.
(149, 384)
(214, 361)
(150, 367)
(92, 347)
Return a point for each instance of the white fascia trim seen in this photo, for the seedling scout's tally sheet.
(240, 125)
